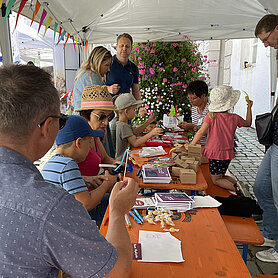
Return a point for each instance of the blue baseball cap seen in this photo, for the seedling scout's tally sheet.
(76, 126)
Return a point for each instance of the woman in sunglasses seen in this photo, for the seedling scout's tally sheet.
(93, 72)
(97, 108)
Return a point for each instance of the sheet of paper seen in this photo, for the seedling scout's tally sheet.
(205, 202)
(160, 247)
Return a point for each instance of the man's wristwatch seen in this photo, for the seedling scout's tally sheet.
(195, 128)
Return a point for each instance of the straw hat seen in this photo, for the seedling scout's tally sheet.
(96, 97)
(223, 98)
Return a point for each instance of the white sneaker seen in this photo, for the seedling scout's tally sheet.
(268, 243)
(269, 256)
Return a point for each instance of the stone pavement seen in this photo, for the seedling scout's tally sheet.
(249, 153)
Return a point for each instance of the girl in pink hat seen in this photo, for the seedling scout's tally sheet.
(220, 126)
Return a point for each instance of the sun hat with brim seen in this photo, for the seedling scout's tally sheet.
(126, 100)
(96, 97)
(223, 98)
(76, 126)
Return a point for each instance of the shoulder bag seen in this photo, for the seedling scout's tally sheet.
(264, 126)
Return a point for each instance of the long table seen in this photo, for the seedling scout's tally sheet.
(201, 183)
(207, 248)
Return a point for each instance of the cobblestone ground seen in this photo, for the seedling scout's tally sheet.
(249, 154)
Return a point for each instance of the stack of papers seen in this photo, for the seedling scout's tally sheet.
(156, 175)
(173, 201)
(152, 151)
(160, 247)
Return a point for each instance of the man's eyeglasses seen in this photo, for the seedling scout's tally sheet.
(62, 120)
(102, 118)
(192, 98)
(266, 39)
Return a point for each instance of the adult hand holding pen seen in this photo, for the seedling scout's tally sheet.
(122, 199)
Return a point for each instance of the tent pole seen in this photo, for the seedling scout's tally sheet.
(5, 38)
(273, 75)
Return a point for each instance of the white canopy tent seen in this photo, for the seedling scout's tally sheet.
(101, 21)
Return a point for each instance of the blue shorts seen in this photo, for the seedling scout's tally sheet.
(218, 167)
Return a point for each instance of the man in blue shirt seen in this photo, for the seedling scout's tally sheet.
(122, 71)
(43, 227)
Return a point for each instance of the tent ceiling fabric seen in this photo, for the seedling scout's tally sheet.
(158, 19)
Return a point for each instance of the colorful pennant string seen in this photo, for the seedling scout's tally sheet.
(21, 6)
(8, 9)
(44, 13)
(62, 36)
(37, 7)
(1, 2)
(73, 40)
(55, 29)
(66, 40)
(47, 25)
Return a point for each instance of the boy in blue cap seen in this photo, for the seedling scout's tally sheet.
(73, 143)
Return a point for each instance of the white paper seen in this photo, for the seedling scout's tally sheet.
(205, 202)
(160, 247)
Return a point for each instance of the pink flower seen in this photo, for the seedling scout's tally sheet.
(139, 58)
(181, 45)
(183, 60)
(175, 69)
(139, 79)
(153, 45)
(189, 64)
(141, 72)
(152, 71)
(164, 80)
(185, 75)
(161, 69)
(152, 51)
(151, 112)
(147, 106)
(194, 70)
(177, 78)
(192, 78)
(175, 44)
(193, 50)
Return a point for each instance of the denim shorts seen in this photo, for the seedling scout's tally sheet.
(218, 167)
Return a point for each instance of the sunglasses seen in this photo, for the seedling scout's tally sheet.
(102, 118)
(62, 120)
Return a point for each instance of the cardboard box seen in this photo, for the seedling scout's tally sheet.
(188, 176)
(181, 163)
(194, 166)
(176, 171)
(195, 150)
(189, 160)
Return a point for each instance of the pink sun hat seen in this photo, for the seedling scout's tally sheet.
(96, 97)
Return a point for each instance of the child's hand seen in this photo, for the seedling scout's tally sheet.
(249, 103)
(142, 112)
(156, 131)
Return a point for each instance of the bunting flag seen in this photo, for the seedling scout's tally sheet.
(47, 25)
(8, 9)
(60, 32)
(37, 7)
(66, 41)
(79, 45)
(76, 41)
(73, 40)
(62, 36)
(1, 2)
(55, 28)
(86, 42)
(21, 6)
(44, 13)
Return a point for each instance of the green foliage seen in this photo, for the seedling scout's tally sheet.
(165, 69)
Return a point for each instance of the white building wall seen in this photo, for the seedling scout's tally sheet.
(255, 80)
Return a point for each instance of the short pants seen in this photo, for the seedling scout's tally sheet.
(218, 167)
